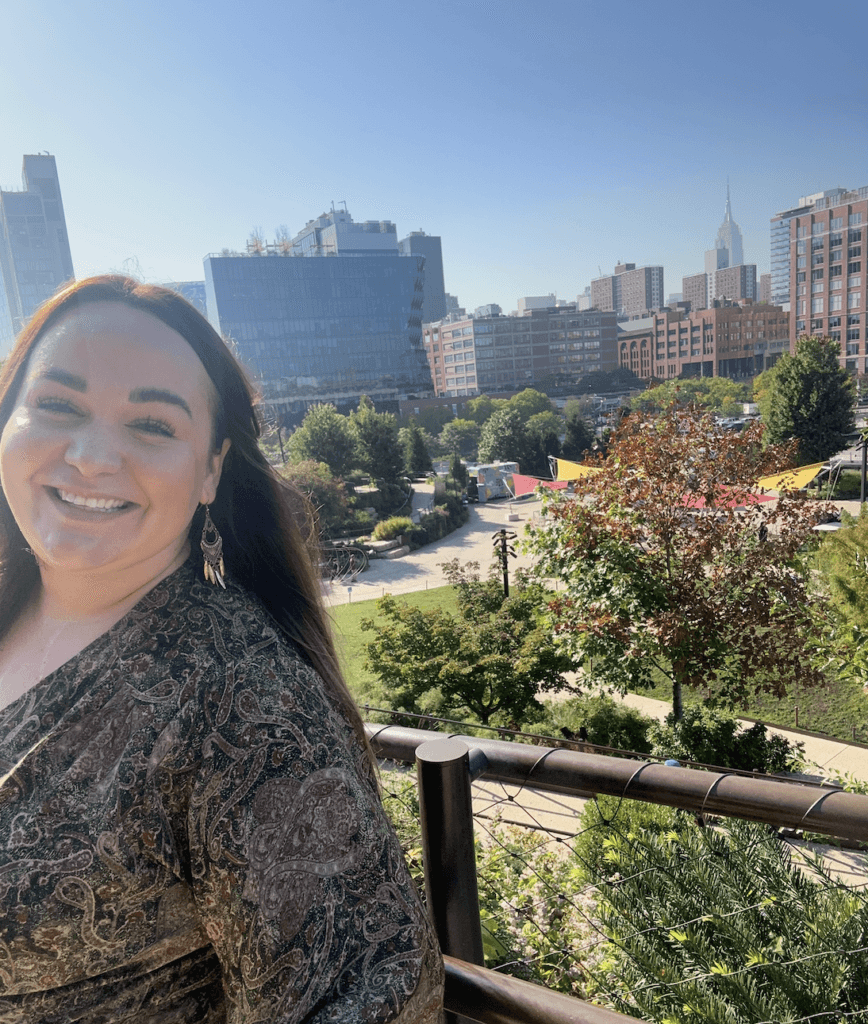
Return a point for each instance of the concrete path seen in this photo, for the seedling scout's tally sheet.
(420, 570)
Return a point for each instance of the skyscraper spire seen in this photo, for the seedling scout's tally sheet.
(728, 209)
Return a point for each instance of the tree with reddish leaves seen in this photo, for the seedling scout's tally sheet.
(666, 562)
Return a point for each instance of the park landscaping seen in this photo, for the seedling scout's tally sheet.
(833, 709)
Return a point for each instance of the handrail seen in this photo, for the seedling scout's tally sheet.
(490, 997)
(763, 798)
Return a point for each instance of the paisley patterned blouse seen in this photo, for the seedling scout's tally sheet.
(189, 832)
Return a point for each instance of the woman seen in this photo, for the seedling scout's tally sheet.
(189, 821)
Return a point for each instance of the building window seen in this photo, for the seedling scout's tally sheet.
(854, 281)
(818, 227)
(817, 275)
(801, 262)
(816, 305)
(817, 286)
(835, 256)
(836, 223)
(854, 220)
(854, 300)
(854, 268)
(834, 302)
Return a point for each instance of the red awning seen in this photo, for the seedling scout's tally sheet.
(527, 484)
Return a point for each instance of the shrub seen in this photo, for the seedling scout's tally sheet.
(389, 529)
(714, 737)
(609, 723)
(848, 485)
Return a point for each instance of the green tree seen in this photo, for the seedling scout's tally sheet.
(482, 408)
(810, 398)
(458, 471)
(376, 433)
(417, 460)
(488, 662)
(504, 439)
(529, 403)
(460, 437)
(662, 574)
(327, 494)
(325, 436)
(578, 438)
(718, 394)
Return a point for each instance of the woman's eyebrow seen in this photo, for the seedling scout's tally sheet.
(69, 380)
(160, 395)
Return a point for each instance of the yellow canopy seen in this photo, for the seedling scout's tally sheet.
(791, 480)
(573, 470)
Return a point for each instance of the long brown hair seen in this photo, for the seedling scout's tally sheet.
(267, 525)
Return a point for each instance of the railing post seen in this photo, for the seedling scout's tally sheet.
(446, 808)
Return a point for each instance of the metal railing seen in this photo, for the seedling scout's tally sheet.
(446, 767)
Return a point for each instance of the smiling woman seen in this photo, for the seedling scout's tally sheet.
(193, 829)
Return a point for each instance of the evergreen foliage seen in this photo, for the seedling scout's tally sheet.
(809, 396)
(417, 459)
(579, 438)
(376, 433)
(720, 925)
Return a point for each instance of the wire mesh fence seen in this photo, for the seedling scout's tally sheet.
(661, 913)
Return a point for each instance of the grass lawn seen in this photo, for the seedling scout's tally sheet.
(350, 639)
(833, 710)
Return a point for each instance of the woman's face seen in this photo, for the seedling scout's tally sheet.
(108, 451)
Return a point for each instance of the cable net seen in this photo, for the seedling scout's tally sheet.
(658, 912)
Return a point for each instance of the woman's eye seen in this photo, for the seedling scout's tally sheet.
(59, 405)
(153, 426)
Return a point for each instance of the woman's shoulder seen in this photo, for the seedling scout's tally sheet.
(224, 639)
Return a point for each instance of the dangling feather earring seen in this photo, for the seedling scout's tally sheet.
(212, 550)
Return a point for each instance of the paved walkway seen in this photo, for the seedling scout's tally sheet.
(420, 570)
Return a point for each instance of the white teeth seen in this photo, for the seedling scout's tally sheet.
(99, 504)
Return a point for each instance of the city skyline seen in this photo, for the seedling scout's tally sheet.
(539, 149)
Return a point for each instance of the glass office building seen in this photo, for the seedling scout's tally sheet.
(34, 248)
(326, 328)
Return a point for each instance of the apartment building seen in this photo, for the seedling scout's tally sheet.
(827, 269)
(544, 348)
(732, 340)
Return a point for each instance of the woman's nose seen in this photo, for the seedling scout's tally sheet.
(93, 450)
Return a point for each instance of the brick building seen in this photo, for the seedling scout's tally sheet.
(738, 341)
(629, 291)
(829, 288)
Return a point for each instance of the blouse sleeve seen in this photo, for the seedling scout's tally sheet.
(297, 874)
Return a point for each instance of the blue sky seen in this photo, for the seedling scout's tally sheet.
(540, 140)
